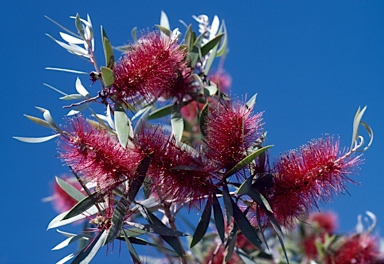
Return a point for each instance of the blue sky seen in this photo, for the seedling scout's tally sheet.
(312, 63)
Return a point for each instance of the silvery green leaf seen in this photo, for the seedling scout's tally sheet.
(108, 51)
(140, 124)
(36, 139)
(211, 59)
(72, 97)
(70, 39)
(89, 252)
(134, 34)
(71, 48)
(58, 220)
(164, 22)
(108, 76)
(80, 88)
(65, 70)
(123, 125)
(251, 102)
(79, 108)
(65, 259)
(70, 190)
(69, 241)
(214, 27)
(177, 123)
(224, 43)
(55, 89)
(164, 30)
(38, 121)
(62, 27)
(211, 44)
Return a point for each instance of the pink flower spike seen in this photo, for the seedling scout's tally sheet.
(97, 155)
(231, 130)
(153, 67)
(306, 176)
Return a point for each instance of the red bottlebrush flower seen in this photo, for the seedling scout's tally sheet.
(359, 249)
(177, 173)
(61, 201)
(222, 79)
(97, 155)
(323, 222)
(154, 67)
(308, 175)
(231, 130)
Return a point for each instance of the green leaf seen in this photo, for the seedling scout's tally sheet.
(108, 77)
(137, 182)
(134, 34)
(58, 220)
(211, 44)
(245, 186)
(36, 139)
(244, 225)
(164, 30)
(152, 219)
(177, 122)
(203, 118)
(108, 51)
(89, 252)
(117, 219)
(223, 48)
(188, 39)
(62, 27)
(123, 125)
(231, 242)
(131, 250)
(69, 241)
(72, 97)
(73, 49)
(251, 102)
(244, 162)
(70, 190)
(84, 205)
(160, 230)
(66, 70)
(202, 226)
(139, 241)
(211, 59)
(228, 204)
(134, 232)
(79, 26)
(165, 110)
(38, 121)
(164, 22)
(219, 220)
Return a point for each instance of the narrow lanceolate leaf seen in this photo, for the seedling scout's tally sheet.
(165, 110)
(89, 252)
(244, 225)
(36, 139)
(219, 219)
(251, 102)
(132, 251)
(47, 116)
(83, 205)
(66, 70)
(202, 226)
(108, 77)
(211, 59)
(231, 242)
(69, 241)
(139, 241)
(123, 125)
(70, 190)
(117, 219)
(244, 162)
(58, 220)
(164, 22)
(108, 51)
(38, 121)
(210, 45)
(164, 30)
(203, 118)
(171, 240)
(228, 204)
(137, 182)
(224, 43)
(245, 186)
(177, 123)
(356, 122)
(134, 34)
(160, 230)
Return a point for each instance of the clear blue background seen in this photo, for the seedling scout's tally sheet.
(312, 64)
